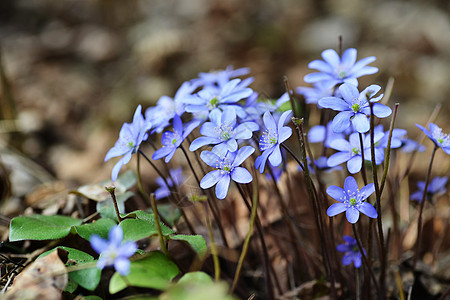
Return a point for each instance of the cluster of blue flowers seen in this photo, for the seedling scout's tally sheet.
(236, 124)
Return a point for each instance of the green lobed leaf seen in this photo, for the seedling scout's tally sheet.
(171, 213)
(88, 278)
(197, 242)
(143, 226)
(153, 271)
(39, 227)
(127, 179)
(195, 277)
(202, 290)
(100, 227)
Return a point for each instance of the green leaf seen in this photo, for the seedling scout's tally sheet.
(71, 286)
(202, 290)
(100, 227)
(197, 242)
(127, 179)
(106, 208)
(143, 226)
(92, 297)
(171, 213)
(153, 271)
(38, 227)
(195, 277)
(89, 277)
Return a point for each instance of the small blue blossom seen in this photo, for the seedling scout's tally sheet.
(439, 138)
(219, 78)
(354, 107)
(409, 145)
(323, 134)
(396, 139)
(334, 70)
(314, 94)
(166, 108)
(227, 168)
(172, 140)
(212, 97)
(350, 151)
(436, 187)
(176, 178)
(130, 138)
(223, 131)
(351, 200)
(255, 108)
(351, 252)
(272, 137)
(113, 252)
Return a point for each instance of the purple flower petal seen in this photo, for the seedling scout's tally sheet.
(350, 185)
(368, 210)
(342, 121)
(336, 209)
(333, 103)
(352, 215)
(211, 179)
(222, 187)
(242, 155)
(338, 158)
(361, 123)
(335, 192)
(354, 165)
(381, 111)
(241, 175)
(275, 158)
(367, 191)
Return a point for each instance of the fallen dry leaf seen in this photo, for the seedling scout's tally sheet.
(44, 279)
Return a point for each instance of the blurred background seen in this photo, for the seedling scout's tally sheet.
(73, 71)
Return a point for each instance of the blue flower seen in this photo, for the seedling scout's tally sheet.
(314, 94)
(130, 138)
(113, 252)
(223, 132)
(439, 138)
(351, 252)
(255, 109)
(166, 108)
(354, 107)
(435, 187)
(409, 145)
(212, 97)
(176, 178)
(227, 168)
(350, 151)
(219, 78)
(320, 134)
(334, 70)
(172, 140)
(396, 139)
(271, 139)
(351, 200)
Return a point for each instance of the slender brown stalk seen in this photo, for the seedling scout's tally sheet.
(162, 242)
(422, 204)
(111, 190)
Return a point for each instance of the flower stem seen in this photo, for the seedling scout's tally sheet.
(253, 216)
(363, 163)
(162, 242)
(111, 191)
(366, 262)
(378, 200)
(388, 148)
(266, 261)
(422, 204)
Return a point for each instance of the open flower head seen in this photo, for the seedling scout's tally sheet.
(212, 97)
(351, 200)
(223, 131)
(354, 107)
(227, 169)
(176, 178)
(439, 138)
(271, 139)
(351, 252)
(114, 252)
(130, 138)
(334, 69)
(436, 187)
(171, 140)
(350, 151)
